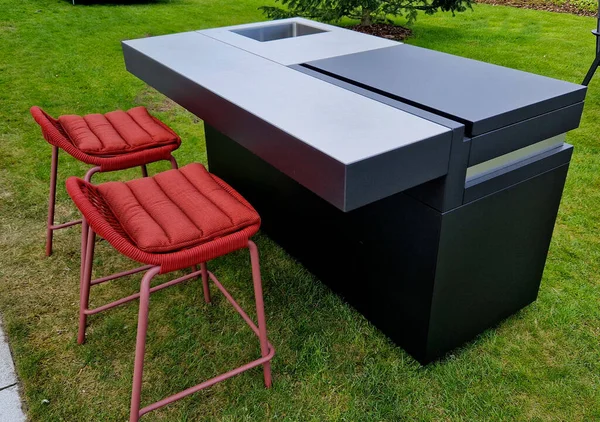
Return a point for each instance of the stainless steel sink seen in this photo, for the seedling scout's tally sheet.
(278, 32)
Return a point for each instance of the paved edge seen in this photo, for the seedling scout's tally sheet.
(11, 409)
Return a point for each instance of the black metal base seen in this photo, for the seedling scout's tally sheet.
(590, 74)
(431, 281)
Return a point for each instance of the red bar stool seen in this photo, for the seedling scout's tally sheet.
(174, 220)
(114, 141)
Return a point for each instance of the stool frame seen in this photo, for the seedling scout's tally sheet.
(99, 219)
(267, 349)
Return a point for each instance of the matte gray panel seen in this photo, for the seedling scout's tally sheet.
(325, 176)
(309, 129)
(443, 193)
(328, 118)
(382, 176)
(483, 96)
(491, 259)
(502, 141)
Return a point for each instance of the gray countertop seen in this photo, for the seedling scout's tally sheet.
(337, 122)
(385, 119)
(481, 95)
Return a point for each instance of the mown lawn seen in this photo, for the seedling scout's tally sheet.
(542, 364)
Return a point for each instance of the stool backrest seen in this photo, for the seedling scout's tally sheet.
(51, 128)
(95, 209)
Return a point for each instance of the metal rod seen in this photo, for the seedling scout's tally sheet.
(596, 62)
(51, 200)
(121, 274)
(205, 285)
(65, 225)
(206, 384)
(598, 23)
(140, 344)
(84, 290)
(137, 295)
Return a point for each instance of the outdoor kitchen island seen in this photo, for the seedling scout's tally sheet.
(420, 186)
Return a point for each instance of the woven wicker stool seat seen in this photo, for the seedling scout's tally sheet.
(168, 219)
(174, 220)
(116, 140)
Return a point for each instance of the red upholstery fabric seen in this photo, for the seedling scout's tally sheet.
(175, 209)
(117, 132)
(55, 134)
(103, 221)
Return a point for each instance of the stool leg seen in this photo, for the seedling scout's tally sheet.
(144, 170)
(205, 282)
(84, 233)
(84, 224)
(90, 173)
(173, 162)
(51, 200)
(260, 310)
(86, 277)
(140, 344)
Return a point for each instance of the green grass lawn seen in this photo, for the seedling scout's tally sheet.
(542, 364)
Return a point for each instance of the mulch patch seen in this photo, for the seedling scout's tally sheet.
(541, 5)
(400, 33)
(384, 30)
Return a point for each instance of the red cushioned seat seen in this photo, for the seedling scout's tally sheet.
(113, 141)
(117, 132)
(177, 219)
(175, 209)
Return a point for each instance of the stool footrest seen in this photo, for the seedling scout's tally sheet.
(137, 295)
(64, 225)
(207, 383)
(121, 274)
(226, 375)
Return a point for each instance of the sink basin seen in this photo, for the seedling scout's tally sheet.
(278, 32)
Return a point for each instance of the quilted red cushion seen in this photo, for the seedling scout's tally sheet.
(117, 132)
(176, 209)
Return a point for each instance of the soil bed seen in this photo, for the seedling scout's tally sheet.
(546, 5)
(384, 30)
(400, 33)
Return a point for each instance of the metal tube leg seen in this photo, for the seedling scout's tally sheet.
(590, 73)
(260, 311)
(140, 344)
(90, 173)
(84, 224)
(205, 286)
(84, 233)
(173, 162)
(51, 200)
(84, 289)
(144, 170)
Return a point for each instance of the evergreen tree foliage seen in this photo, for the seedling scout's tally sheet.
(367, 11)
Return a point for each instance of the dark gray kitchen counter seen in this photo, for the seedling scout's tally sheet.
(349, 140)
(421, 186)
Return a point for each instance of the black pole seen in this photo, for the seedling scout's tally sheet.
(596, 62)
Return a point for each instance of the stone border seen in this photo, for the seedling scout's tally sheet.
(10, 401)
